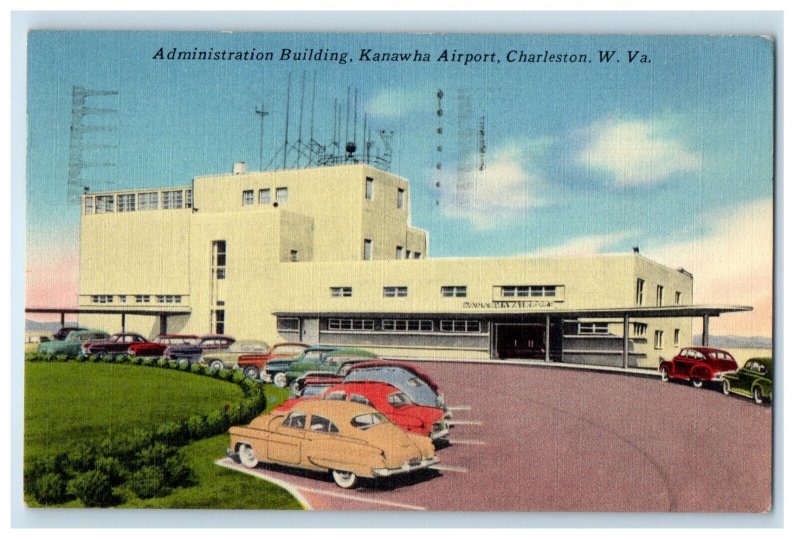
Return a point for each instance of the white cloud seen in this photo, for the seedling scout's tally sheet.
(636, 151)
(393, 102)
(508, 186)
(587, 245)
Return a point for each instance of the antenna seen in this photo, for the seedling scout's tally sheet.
(482, 143)
(262, 113)
(286, 127)
(439, 145)
(299, 142)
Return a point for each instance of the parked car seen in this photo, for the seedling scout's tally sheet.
(346, 439)
(189, 354)
(62, 333)
(391, 402)
(32, 340)
(72, 345)
(156, 347)
(330, 362)
(252, 364)
(408, 378)
(753, 380)
(698, 364)
(118, 343)
(275, 370)
(229, 358)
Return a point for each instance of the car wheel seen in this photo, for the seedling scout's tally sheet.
(247, 456)
(295, 387)
(758, 395)
(697, 382)
(216, 365)
(344, 479)
(664, 374)
(280, 379)
(251, 372)
(726, 387)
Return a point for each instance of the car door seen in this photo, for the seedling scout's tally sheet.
(286, 439)
(326, 448)
(747, 376)
(683, 363)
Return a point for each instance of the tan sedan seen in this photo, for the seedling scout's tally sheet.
(347, 439)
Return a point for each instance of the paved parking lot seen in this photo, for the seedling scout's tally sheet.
(544, 439)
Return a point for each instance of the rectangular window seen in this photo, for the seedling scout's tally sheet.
(368, 188)
(247, 197)
(123, 299)
(395, 291)
(126, 202)
(189, 199)
(401, 199)
(367, 249)
(341, 291)
(408, 253)
(592, 328)
(288, 324)
(677, 298)
(102, 298)
(219, 258)
(639, 291)
(88, 205)
(454, 291)
(148, 201)
(659, 295)
(219, 321)
(417, 254)
(460, 326)
(282, 195)
(104, 204)
(172, 200)
(168, 299)
(639, 329)
(676, 340)
(528, 291)
(265, 196)
(351, 324)
(398, 252)
(293, 255)
(407, 325)
(141, 298)
(658, 339)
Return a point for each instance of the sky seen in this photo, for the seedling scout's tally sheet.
(671, 152)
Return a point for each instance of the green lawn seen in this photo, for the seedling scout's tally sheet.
(66, 402)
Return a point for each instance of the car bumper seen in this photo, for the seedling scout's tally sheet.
(718, 377)
(440, 432)
(407, 467)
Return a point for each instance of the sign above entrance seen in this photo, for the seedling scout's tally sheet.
(521, 304)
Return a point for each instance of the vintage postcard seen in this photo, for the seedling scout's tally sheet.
(398, 272)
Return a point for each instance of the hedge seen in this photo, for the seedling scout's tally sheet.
(148, 463)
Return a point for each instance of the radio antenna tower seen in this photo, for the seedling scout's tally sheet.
(262, 113)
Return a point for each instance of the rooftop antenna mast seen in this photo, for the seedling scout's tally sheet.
(286, 125)
(439, 145)
(262, 113)
(298, 147)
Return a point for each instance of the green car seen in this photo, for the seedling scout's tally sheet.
(72, 344)
(754, 380)
(329, 363)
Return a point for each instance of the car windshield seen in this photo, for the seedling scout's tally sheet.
(399, 399)
(366, 421)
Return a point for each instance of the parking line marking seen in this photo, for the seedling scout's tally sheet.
(458, 407)
(292, 489)
(464, 422)
(468, 442)
(362, 499)
(445, 468)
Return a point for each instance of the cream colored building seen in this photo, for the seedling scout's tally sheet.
(328, 255)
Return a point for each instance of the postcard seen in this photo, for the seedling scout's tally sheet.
(399, 272)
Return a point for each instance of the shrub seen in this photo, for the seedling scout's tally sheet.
(217, 422)
(112, 468)
(62, 358)
(81, 457)
(49, 489)
(80, 358)
(224, 374)
(196, 426)
(121, 358)
(108, 358)
(148, 361)
(197, 368)
(148, 482)
(172, 433)
(94, 358)
(154, 455)
(57, 463)
(93, 489)
(172, 364)
(134, 360)
(176, 472)
(238, 377)
(183, 365)
(163, 362)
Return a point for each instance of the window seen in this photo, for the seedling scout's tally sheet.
(639, 291)
(659, 295)
(460, 326)
(265, 196)
(335, 396)
(395, 291)
(399, 399)
(368, 188)
(321, 424)
(407, 325)
(140, 298)
(288, 324)
(401, 198)
(102, 298)
(123, 299)
(408, 253)
(676, 340)
(365, 421)
(126, 203)
(367, 249)
(219, 321)
(88, 205)
(219, 258)
(171, 200)
(296, 420)
(148, 201)
(168, 299)
(293, 256)
(282, 195)
(528, 291)
(677, 298)
(104, 204)
(361, 399)
(341, 291)
(417, 254)
(247, 197)
(639, 329)
(351, 324)
(398, 252)
(189, 200)
(658, 339)
(592, 328)
(454, 291)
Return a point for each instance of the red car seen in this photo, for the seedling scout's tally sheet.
(389, 401)
(156, 347)
(698, 364)
(253, 363)
(117, 344)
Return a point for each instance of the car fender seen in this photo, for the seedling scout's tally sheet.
(701, 371)
(666, 365)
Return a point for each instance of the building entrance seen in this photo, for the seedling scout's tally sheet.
(527, 341)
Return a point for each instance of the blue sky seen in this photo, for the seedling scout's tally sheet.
(672, 155)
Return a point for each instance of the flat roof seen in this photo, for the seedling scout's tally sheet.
(95, 310)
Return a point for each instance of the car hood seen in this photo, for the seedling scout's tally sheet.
(279, 364)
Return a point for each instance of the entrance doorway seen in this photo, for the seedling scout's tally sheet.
(527, 341)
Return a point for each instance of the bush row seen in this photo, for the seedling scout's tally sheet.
(147, 463)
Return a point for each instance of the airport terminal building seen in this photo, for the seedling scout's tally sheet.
(328, 255)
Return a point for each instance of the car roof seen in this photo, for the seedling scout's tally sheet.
(176, 336)
(215, 336)
(706, 349)
(336, 411)
(370, 387)
(384, 364)
(304, 345)
(358, 352)
(765, 360)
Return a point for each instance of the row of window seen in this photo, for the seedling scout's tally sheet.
(411, 325)
(399, 251)
(453, 291)
(658, 338)
(528, 291)
(369, 193)
(128, 202)
(138, 298)
(265, 196)
(659, 294)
